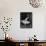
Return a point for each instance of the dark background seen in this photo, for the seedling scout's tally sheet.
(24, 15)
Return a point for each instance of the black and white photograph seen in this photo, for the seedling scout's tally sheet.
(25, 19)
